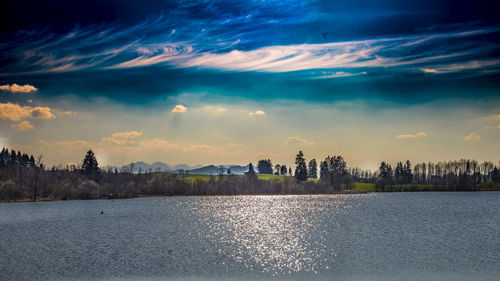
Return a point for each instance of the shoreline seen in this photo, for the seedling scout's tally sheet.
(342, 192)
(45, 199)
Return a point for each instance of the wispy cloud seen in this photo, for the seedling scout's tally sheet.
(339, 74)
(472, 137)
(297, 140)
(14, 88)
(412, 136)
(127, 135)
(455, 67)
(160, 41)
(23, 126)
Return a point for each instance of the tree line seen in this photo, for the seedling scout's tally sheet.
(459, 175)
(24, 178)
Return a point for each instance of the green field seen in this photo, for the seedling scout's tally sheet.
(193, 177)
(361, 186)
(358, 186)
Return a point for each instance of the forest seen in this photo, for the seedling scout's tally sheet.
(24, 178)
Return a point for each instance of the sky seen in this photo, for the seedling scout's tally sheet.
(232, 82)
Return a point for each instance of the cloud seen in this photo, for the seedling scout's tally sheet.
(214, 109)
(297, 140)
(179, 108)
(258, 112)
(14, 88)
(15, 112)
(429, 70)
(121, 138)
(469, 65)
(339, 74)
(74, 145)
(69, 113)
(412, 136)
(127, 135)
(112, 47)
(23, 126)
(472, 137)
(235, 144)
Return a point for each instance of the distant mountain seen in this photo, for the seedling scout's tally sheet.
(144, 167)
(161, 167)
(183, 167)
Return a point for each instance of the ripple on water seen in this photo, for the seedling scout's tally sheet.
(411, 236)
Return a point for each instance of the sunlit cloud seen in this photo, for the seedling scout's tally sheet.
(258, 112)
(16, 112)
(122, 138)
(472, 137)
(72, 145)
(297, 140)
(23, 126)
(15, 88)
(469, 65)
(69, 113)
(412, 136)
(127, 135)
(179, 108)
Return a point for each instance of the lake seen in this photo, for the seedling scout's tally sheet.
(380, 236)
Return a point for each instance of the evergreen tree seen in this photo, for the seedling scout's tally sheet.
(312, 170)
(323, 170)
(283, 170)
(3, 158)
(32, 161)
(407, 172)
(301, 168)
(495, 175)
(13, 157)
(251, 171)
(399, 173)
(90, 166)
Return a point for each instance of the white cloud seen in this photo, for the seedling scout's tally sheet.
(472, 137)
(179, 108)
(297, 140)
(15, 88)
(23, 126)
(258, 112)
(412, 136)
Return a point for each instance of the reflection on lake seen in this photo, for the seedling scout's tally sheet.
(411, 236)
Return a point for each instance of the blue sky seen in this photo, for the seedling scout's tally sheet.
(358, 78)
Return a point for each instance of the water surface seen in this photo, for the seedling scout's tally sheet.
(398, 236)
